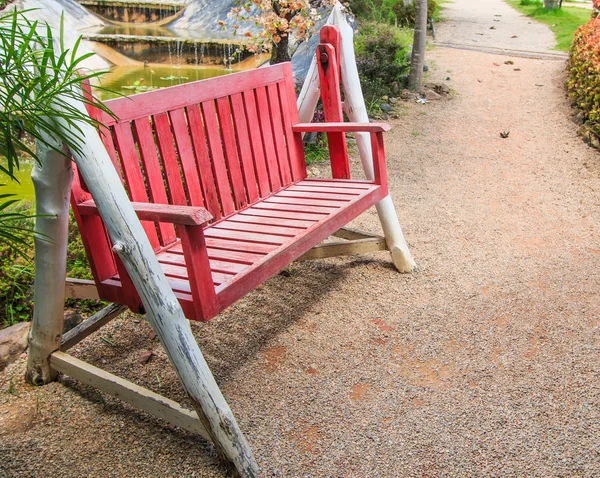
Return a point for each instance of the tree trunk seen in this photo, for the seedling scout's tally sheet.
(52, 178)
(417, 60)
(550, 4)
(163, 310)
(280, 51)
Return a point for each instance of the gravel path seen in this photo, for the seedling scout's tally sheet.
(492, 23)
(484, 362)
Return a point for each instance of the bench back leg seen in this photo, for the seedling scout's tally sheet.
(354, 105)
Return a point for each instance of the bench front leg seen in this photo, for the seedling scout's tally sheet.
(198, 269)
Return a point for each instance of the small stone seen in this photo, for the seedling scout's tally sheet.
(439, 87)
(393, 100)
(385, 107)
(431, 95)
(425, 68)
(405, 94)
(145, 356)
(71, 320)
(13, 342)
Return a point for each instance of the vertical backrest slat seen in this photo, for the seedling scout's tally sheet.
(243, 143)
(186, 157)
(164, 138)
(216, 154)
(155, 181)
(278, 134)
(205, 172)
(231, 153)
(290, 117)
(258, 151)
(267, 138)
(133, 174)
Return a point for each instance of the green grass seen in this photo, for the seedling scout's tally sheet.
(563, 22)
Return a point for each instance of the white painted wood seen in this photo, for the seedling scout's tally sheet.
(162, 308)
(90, 325)
(335, 249)
(140, 397)
(52, 178)
(355, 108)
(81, 289)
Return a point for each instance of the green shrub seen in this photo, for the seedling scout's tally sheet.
(16, 273)
(382, 59)
(584, 73)
(405, 15)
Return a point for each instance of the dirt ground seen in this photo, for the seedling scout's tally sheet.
(483, 362)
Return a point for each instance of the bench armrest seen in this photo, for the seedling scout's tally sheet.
(341, 128)
(182, 215)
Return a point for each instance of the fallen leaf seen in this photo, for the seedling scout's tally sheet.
(509, 62)
(504, 134)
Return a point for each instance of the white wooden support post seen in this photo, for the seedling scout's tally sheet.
(163, 310)
(355, 108)
(52, 177)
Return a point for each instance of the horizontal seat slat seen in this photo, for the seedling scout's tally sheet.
(254, 212)
(178, 260)
(245, 236)
(271, 221)
(308, 202)
(317, 195)
(325, 190)
(338, 183)
(261, 228)
(294, 207)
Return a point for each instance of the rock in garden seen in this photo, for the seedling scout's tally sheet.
(405, 94)
(13, 342)
(393, 100)
(439, 87)
(431, 95)
(71, 320)
(385, 107)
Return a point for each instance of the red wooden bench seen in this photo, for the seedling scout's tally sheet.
(215, 170)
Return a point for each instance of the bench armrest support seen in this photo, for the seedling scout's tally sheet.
(181, 215)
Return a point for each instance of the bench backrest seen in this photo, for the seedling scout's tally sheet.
(221, 143)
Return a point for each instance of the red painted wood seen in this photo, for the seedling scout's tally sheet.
(106, 134)
(260, 228)
(307, 202)
(229, 245)
(294, 207)
(271, 221)
(267, 138)
(186, 157)
(235, 256)
(379, 169)
(205, 171)
(198, 271)
(279, 134)
(331, 34)
(332, 108)
(341, 127)
(128, 293)
(164, 138)
(155, 181)
(184, 215)
(293, 249)
(133, 174)
(243, 143)
(245, 236)
(289, 114)
(218, 159)
(337, 183)
(231, 153)
(256, 143)
(325, 191)
(148, 104)
(282, 214)
(317, 195)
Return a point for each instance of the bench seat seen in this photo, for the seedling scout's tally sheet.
(244, 248)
